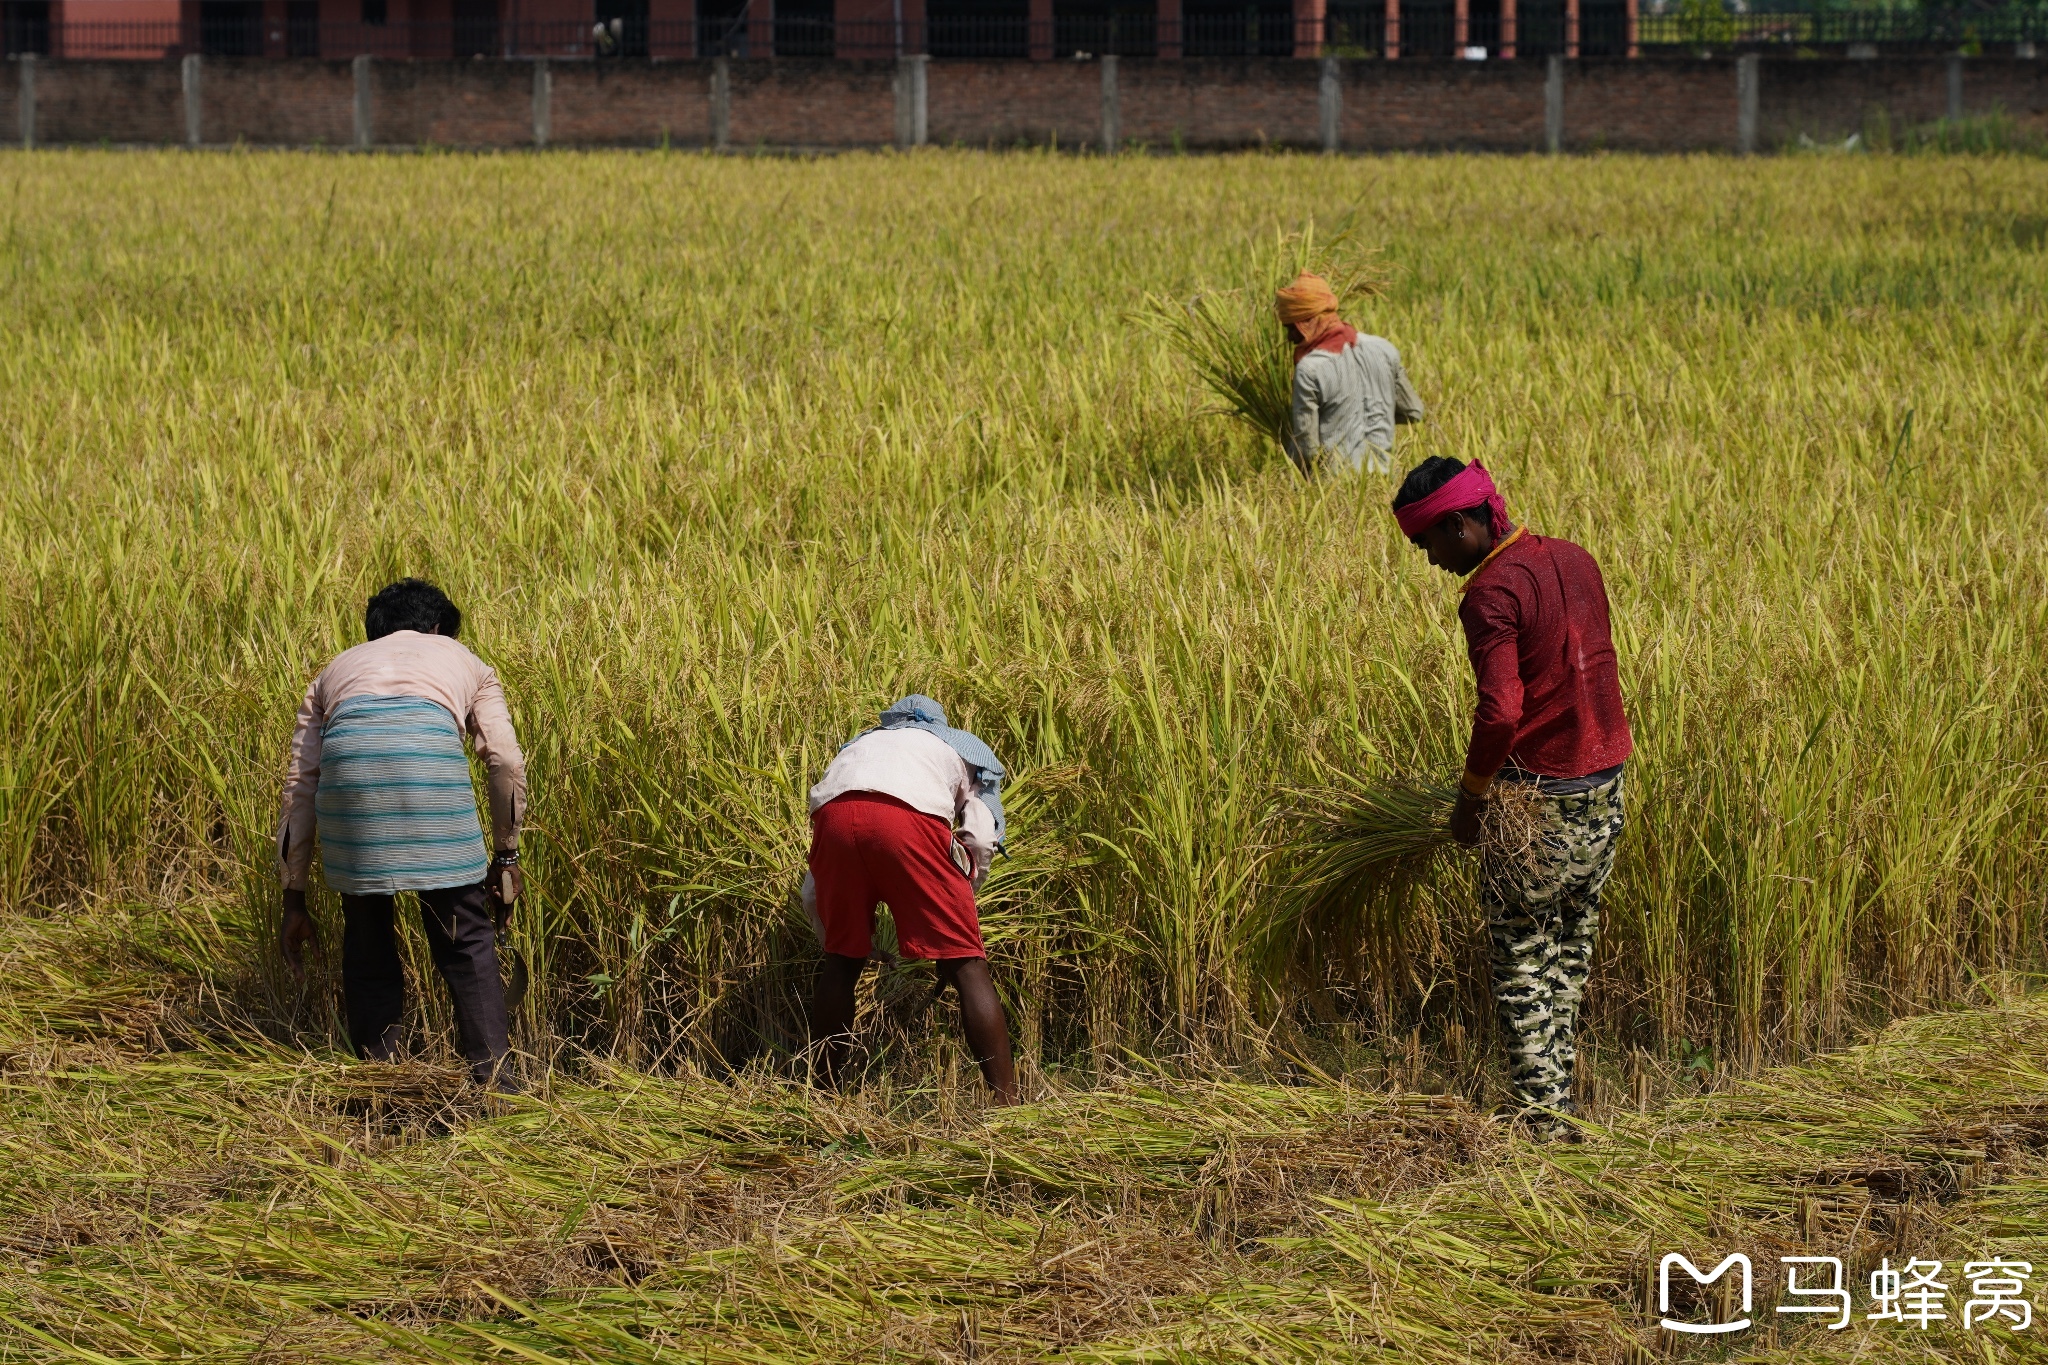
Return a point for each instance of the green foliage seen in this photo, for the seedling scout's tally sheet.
(1979, 134)
(1705, 23)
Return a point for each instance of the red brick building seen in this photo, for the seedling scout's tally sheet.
(1037, 29)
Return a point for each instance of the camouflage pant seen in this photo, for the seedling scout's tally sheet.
(1543, 912)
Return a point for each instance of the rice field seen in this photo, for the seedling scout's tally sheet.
(721, 455)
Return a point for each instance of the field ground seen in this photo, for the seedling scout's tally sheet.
(167, 1196)
(721, 455)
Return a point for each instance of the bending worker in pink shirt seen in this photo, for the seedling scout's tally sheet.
(908, 813)
(377, 763)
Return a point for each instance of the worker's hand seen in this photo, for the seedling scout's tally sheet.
(506, 882)
(295, 929)
(1465, 817)
(971, 858)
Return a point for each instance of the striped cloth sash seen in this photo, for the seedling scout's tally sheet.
(397, 810)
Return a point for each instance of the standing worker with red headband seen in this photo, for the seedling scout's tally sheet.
(1349, 389)
(1550, 721)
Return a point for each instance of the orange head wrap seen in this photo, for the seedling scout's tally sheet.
(1310, 305)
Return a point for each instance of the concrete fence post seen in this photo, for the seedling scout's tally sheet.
(1553, 104)
(721, 102)
(1955, 86)
(911, 123)
(543, 102)
(188, 78)
(25, 103)
(366, 131)
(1748, 77)
(1330, 103)
(1112, 112)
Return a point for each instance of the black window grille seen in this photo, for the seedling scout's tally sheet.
(1355, 30)
(623, 25)
(231, 28)
(25, 27)
(1256, 29)
(722, 28)
(302, 28)
(1101, 28)
(805, 28)
(1428, 28)
(476, 28)
(1482, 26)
(1539, 28)
(978, 28)
(1603, 28)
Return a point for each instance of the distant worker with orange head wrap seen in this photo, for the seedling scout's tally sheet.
(1349, 389)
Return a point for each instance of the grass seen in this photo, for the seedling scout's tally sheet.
(719, 456)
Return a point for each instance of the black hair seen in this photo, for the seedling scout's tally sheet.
(411, 604)
(1432, 474)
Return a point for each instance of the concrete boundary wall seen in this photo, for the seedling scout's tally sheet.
(1709, 104)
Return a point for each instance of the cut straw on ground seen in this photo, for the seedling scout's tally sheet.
(231, 1201)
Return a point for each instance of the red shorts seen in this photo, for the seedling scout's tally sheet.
(867, 847)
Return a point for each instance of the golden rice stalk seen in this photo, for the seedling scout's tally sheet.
(1237, 350)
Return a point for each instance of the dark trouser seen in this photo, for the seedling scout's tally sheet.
(462, 935)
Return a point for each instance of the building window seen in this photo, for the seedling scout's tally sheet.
(1098, 28)
(978, 28)
(302, 28)
(373, 11)
(624, 25)
(1230, 28)
(804, 28)
(25, 26)
(231, 28)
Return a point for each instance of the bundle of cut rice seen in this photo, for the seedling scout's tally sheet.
(1357, 850)
(1231, 336)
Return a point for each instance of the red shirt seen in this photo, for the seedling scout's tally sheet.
(1535, 618)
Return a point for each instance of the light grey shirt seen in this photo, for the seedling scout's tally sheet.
(1347, 402)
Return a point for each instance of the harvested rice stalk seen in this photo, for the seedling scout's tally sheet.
(1361, 849)
(1230, 337)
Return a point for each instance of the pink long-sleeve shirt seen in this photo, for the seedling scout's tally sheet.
(404, 663)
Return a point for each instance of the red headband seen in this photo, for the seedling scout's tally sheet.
(1469, 487)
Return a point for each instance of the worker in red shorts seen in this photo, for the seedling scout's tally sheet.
(908, 814)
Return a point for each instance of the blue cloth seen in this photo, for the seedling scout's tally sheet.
(984, 770)
(396, 807)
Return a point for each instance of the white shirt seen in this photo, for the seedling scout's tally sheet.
(922, 771)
